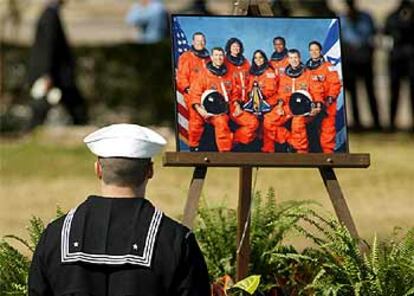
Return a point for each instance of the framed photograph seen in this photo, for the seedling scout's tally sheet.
(258, 84)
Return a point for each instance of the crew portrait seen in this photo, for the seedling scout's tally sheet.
(279, 91)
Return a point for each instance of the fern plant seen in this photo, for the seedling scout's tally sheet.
(393, 265)
(14, 265)
(335, 266)
(216, 231)
(271, 222)
(386, 269)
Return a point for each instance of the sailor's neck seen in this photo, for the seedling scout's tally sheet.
(122, 191)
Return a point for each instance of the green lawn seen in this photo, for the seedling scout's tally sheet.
(52, 167)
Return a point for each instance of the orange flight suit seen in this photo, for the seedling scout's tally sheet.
(328, 78)
(240, 74)
(225, 85)
(280, 65)
(247, 122)
(287, 85)
(189, 67)
(273, 129)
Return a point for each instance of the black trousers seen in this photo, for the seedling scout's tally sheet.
(400, 65)
(354, 70)
(71, 99)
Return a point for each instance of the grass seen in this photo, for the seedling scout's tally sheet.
(52, 167)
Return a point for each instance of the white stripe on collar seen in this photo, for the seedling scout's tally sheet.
(143, 260)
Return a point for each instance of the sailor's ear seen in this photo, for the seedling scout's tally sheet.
(98, 169)
(150, 172)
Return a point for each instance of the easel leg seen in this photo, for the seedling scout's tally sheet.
(338, 199)
(251, 7)
(193, 196)
(243, 229)
(340, 205)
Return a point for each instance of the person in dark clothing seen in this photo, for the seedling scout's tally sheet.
(118, 243)
(200, 7)
(399, 25)
(319, 8)
(358, 30)
(52, 62)
(281, 7)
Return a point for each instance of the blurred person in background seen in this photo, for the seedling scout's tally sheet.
(199, 7)
(52, 66)
(319, 8)
(358, 33)
(399, 26)
(151, 18)
(281, 7)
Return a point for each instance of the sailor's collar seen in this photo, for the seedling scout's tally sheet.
(138, 251)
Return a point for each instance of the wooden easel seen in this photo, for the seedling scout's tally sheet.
(325, 163)
(246, 161)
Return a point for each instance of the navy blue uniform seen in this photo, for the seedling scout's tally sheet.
(117, 246)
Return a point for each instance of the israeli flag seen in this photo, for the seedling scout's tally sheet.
(332, 53)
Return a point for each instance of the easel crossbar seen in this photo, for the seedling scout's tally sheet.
(310, 160)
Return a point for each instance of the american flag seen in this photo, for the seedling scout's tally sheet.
(332, 53)
(180, 45)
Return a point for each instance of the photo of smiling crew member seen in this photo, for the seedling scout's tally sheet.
(211, 94)
(238, 67)
(297, 78)
(191, 64)
(323, 73)
(262, 91)
(279, 58)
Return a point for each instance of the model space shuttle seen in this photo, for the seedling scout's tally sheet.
(256, 103)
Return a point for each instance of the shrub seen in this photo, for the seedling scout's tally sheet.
(335, 266)
(14, 265)
(270, 224)
(387, 269)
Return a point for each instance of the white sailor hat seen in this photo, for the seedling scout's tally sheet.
(125, 140)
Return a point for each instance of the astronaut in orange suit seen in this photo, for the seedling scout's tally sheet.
(190, 64)
(263, 75)
(214, 77)
(297, 77)
(238, 67)
(323, 73)
(279, 59)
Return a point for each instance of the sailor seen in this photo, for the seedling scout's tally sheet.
(117, 242)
